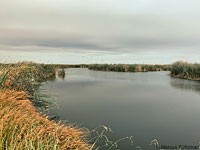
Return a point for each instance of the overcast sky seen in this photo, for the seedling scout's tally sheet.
(100, 31)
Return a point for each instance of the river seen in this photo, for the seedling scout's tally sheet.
(147, 106)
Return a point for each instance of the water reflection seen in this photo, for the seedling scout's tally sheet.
(61, 73)
(52, 78)
(185, 84)
(144, 105)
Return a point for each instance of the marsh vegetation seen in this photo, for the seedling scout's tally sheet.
(61, 73)
(128, 67)
(21, 125)
(186, 70)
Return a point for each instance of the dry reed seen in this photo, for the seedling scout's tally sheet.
(21, 126)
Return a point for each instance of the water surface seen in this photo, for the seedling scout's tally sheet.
(146, 106)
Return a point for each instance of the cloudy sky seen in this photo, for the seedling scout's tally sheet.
(100, 31)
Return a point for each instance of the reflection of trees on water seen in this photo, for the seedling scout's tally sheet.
(61, 73)
(62, 76)
(52, 78)
(185, 84)
(57, 74)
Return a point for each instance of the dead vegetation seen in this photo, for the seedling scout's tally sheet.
(21, 126)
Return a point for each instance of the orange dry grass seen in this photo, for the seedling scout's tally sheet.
(22, 127)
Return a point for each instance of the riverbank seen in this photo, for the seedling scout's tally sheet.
(21, 125)
(128, 67)
(185, 70)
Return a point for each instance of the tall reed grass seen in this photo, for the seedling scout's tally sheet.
(26, 76)
(186, 70)
(128, 67)
(21, 126)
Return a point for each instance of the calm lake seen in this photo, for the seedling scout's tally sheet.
(146, 106)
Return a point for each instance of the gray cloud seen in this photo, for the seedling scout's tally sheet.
(112, 26)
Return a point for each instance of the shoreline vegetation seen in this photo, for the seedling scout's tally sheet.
(185, 70)
(61, 73)
(179, 69)
(22, 126)
(128, 67)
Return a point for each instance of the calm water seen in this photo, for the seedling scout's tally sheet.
(146, 106)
